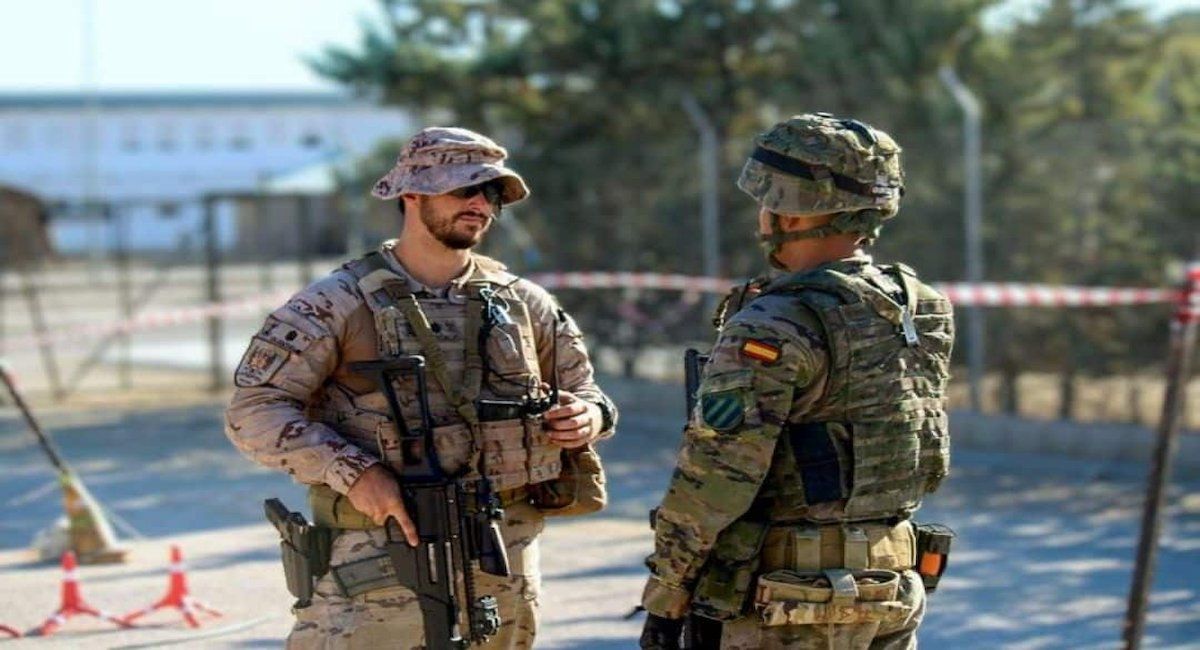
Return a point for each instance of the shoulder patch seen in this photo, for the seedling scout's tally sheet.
(760, 350)
(262, 359)
(723, 410)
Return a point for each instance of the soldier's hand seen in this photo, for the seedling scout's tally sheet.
(574, 422)
(661, 633)
(377, 495)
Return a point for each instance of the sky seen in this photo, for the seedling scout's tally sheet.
(202, 44)
(172, 44)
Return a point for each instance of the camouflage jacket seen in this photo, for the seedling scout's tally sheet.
(297, 366)
(770, 367)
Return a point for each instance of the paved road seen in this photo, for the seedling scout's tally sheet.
(1043, 559)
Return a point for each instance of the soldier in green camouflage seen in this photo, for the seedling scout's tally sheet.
(820, 420)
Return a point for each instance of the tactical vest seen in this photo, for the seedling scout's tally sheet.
(877, 440)
(512, 450)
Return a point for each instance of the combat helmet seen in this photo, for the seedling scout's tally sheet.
(818, 163)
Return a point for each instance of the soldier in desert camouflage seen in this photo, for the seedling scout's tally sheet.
(298, 408)
(820, 420)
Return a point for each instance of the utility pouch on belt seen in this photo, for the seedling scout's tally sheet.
(864, 598)
(305, 550)
(933, 553)
(579, 490)
(723, 590)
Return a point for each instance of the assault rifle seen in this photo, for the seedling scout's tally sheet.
(455, 520)
(693, 365)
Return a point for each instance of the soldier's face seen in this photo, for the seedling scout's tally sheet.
(457, 223)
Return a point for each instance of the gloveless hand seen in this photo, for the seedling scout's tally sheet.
(377, 495)
(574, 422)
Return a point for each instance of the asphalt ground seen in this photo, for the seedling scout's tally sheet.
(1043, 557)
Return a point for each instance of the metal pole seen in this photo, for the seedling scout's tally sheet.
(49, 362)
(710, 155)
(120, 223)
(44, 441)
(972, 224)
(3, 296)
(91, 134)
(212, 275)
(264, 249)
(1183, 345)
(306, 239)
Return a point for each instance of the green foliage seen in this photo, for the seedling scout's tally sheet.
(1092, 129)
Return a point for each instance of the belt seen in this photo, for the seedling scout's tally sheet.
(854, 545)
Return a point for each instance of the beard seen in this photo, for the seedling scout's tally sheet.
(446, 229)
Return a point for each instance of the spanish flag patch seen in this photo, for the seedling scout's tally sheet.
(760, 351)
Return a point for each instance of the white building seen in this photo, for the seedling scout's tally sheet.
(153, 155)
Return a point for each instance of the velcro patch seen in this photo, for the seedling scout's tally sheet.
(259, 363)
(760, 351)
(724, 410)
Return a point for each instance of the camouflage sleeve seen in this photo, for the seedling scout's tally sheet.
(575, 372)
(743, 401)
(288, 360)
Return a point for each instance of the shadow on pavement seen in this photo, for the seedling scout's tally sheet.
(1043, 557)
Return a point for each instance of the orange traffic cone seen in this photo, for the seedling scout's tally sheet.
(177, 596)
(73, 603)
(9, 631)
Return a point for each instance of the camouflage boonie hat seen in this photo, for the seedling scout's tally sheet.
(817, 163)
(440, 159)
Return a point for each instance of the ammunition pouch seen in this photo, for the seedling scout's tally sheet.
(807, 546)
(857, 602)
(368, 574)
(723, 589)
(580, 488)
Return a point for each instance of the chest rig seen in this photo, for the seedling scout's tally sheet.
(479, 346)
(877, 440)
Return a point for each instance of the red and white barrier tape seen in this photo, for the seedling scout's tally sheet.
(961, 294)
(249, 306)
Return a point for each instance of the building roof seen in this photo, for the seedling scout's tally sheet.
(175, 99)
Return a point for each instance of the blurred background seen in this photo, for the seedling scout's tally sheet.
(156, 156)
(171, 171)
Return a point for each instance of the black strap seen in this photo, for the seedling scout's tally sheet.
(799, 168)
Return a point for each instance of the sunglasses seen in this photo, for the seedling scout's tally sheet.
(492, 191)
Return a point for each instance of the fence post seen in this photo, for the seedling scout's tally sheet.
(212, 259)
(305, 228)
(119, 221)
(1179, 361)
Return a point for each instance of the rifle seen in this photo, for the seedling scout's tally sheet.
(453, 532)
(693, 363)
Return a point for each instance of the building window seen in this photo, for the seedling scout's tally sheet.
(168, 210)
(130, 140)
(166, 138)
(310, 140)
(240, 141)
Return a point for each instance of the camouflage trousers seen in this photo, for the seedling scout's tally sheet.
(391, 618)
(895, 633)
